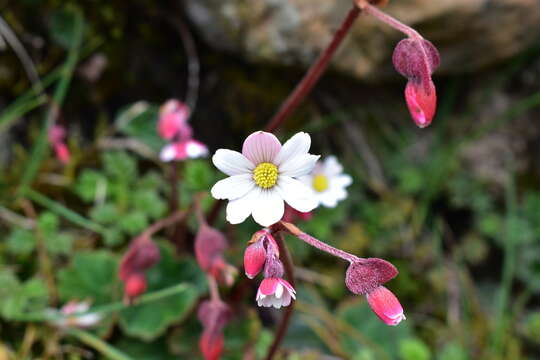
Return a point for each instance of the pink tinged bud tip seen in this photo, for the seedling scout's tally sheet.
(254, 259)
(173, 116)
(142, 255)
(275, 292)
(135, 285)
(422, 105)
(211, 345)
(417, 59)
(362, 277)
(386, 306)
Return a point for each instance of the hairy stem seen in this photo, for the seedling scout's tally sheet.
(293, 230)
(179, 215)
(387, 19)
(214, 289)
(314, 73)
(285, 319)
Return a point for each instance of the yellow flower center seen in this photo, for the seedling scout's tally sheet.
(265, 175)
(320, 183)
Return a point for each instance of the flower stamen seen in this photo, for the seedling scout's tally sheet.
(265, 175)
(320, 183)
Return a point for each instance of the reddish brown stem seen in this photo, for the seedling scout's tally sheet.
(281, 330)
(314, 73)
(179, 215)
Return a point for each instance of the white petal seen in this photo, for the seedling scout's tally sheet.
(232, 162)
(297, 145)
(168, 153)
(268, 208)
(261, 147)
(233, 187)
(238, 210)
(296, 194)
(342, 180)
(332, 167)
(299, 165)
(286, 301)
(279, 291)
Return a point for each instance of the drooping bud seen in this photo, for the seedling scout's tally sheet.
(135, 285)
(173, 116)
(364, 276)
(417, 59)
(142, 254)
(56, 136)
(386, 306)
(213, 315)
(254, 259)
(210, 245)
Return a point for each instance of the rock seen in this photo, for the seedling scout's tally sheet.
(470, 34)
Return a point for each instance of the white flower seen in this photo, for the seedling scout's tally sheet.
(328, 182)
(74, 314)
(181, 150)
(275, 292)
(263, 176)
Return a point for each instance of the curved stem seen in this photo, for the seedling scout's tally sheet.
(314, 73)
(285, 319)
(387, 19)
(293, 230)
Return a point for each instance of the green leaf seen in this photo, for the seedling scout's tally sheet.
(139, 120)
(59, 244)
(453, 351)
(91, 275)
(148, 321)
(413, 349)
(120, 165)
(105, 213)
(149, 202)
(17, 299)
(133, 222)
(21, 242)
(199, 175)
(87, 184)
(63, 27)
(48, 223)
(113, 237)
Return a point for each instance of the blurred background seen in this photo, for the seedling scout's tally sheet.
(456, 206)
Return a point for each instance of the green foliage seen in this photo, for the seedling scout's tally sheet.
(21, 242)
(148, 321)
(19, 298)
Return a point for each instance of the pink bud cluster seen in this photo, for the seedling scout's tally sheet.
(210, 246)
(57, 136)
(263, 255)
(173, 126)
(213, 315)
(142, 254)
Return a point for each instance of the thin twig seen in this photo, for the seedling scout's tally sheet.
(314, 73)
(285, 319)
(22, 54)
(179, 215)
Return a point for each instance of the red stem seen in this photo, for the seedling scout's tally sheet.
(314, 73)
(387, 19)
(285, 319)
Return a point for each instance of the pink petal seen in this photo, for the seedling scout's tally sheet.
(386, 306)
(268, 286)
(422, 104)
(261, 147)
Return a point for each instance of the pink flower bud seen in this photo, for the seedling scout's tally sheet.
(213, 315)
(141, 255)
(416, 59)
(135, 285)
(273, 268)
(56, 136)
(386, 306)
(62, 152)
(364, 276)
(173, 116)
(210, 245)
(211, 345)
(254, 259)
